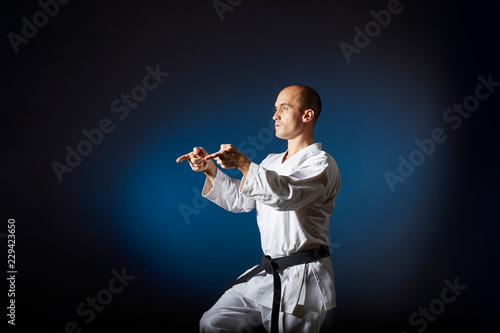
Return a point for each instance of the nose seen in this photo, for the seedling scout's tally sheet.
(276, 115)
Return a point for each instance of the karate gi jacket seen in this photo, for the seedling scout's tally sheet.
(294, 201)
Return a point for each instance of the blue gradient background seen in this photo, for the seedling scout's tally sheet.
(120, 207)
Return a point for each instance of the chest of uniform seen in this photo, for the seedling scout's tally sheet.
(286, 168)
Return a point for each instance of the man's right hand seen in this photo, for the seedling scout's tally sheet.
(196, 160)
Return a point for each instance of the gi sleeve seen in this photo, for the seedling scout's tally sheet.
(225, 193)
(311, 181)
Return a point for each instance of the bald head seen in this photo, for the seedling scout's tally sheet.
(307, 98)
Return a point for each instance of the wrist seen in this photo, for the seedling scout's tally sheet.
(211, 169)
(244, 165)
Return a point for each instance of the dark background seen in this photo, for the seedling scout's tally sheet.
(129, 206)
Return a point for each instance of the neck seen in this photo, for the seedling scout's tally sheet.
(298, 143)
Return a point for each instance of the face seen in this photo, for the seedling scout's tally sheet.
(289, 120)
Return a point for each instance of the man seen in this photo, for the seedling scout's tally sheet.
(293, 194)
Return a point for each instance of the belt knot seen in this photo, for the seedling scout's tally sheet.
(269, 264)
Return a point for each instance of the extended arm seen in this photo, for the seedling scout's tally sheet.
(198, 163)
(220, 188)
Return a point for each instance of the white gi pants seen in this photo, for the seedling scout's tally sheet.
(236, 314)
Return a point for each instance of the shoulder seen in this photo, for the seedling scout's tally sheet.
(318, 157)
(322, 162)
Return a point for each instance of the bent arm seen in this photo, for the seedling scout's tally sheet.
(210, 172)
(224, 192)
(308, 183)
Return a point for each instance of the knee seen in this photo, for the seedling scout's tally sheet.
(213, 322)
(206, 323)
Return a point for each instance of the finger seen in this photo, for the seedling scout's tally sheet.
(202, 152)
(183, 158)
(198, 165)
(214, 155)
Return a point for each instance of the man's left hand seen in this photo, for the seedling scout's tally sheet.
(229, 157)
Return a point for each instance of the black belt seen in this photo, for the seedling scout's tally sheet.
(271, 266)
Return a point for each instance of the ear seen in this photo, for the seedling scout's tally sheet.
(308, 115)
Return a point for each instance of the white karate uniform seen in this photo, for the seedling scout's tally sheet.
(294, 201)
